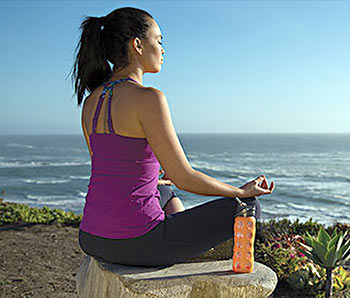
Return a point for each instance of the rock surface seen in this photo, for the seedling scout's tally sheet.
(194, 280)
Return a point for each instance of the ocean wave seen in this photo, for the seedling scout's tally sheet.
(64, 149)
(41, 198)
(306, 207)
(322, 216)
(35, 164)
(242, 173)
(208, 166)
(248, 154)
(343, 196)
(309, 154)
(273, 212)
(231, 157)
(330, 201)
(296, 173)
(79, 177)
(46, 181)
(224, 168)
(16, 145)
(59, 200)
(58, 204)
(82, 194)
(208, 155)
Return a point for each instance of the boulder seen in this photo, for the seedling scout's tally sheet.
(100, 279)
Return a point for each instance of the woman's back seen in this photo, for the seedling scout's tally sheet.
(126, 95)
(122, 199)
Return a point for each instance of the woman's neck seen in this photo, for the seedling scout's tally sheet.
(135, 75)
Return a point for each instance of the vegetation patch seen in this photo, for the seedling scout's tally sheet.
(13, 213)
(281, 246)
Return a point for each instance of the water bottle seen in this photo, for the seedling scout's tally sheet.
(244, 235)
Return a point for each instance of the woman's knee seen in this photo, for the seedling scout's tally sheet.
(174, 205)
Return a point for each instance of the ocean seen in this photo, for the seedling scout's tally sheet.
(311, 171)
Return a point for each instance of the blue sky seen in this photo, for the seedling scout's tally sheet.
(230, 66)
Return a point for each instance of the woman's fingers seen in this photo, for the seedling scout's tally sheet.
(164, 182)
(264, 184)
(259, 186)
(259, 179)
(268, 190)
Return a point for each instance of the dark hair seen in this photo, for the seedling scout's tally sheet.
(105, 40)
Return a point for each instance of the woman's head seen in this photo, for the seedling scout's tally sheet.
(126, 36)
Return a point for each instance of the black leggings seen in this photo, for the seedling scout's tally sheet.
(178, 238)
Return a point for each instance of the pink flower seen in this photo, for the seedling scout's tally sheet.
(301, 255)
(277, 245)
(292, 256)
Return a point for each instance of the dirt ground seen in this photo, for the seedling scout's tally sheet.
(39, 261)
(42, 261)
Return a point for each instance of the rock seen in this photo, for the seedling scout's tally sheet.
(195, 280)
(223, 251)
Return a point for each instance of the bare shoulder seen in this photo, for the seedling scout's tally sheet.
(152, 97)
(151, 93)
(90, 101)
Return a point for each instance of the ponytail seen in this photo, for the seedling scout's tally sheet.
(91, 67)
(104, 41)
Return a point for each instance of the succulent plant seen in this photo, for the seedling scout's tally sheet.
(327, 251)
(306, 280)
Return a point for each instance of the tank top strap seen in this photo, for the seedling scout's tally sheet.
(107, 87)
(98, 108)
(109, 120)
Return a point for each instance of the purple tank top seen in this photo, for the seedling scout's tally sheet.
(122, 199)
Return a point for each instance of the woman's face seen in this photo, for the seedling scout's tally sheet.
(153, 51)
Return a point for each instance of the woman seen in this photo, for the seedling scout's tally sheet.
(129, 133)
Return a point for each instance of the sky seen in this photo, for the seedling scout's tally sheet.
(229, 66)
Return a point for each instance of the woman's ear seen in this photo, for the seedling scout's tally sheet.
(137, 45)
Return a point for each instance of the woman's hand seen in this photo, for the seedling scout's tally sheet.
(164, 180)
(256, 187)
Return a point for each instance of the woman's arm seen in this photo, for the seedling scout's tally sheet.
(154, 116)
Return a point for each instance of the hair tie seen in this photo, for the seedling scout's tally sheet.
(102, 21)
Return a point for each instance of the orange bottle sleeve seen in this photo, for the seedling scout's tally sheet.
(243, 249)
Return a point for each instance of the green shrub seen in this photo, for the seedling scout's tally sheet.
(11, 213)
(274, 228)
